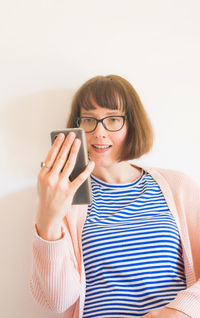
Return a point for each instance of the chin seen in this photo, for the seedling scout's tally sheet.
(103, 162)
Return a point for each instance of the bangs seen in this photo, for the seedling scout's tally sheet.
(115, 92)
(105, 92)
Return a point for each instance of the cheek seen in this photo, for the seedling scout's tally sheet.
(121, 137)
(121, 142)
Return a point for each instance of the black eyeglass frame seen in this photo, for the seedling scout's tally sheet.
(101, 121)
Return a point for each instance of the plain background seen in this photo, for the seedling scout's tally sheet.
(48, 49)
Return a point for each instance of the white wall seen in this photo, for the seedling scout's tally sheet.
(48, 49)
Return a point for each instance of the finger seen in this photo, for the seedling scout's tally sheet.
(76, 183)
(51, 156)
(71, 161)
(63, 154)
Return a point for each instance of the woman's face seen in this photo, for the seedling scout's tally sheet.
(104, 157)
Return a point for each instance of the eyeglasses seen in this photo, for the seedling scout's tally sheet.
(110, 123)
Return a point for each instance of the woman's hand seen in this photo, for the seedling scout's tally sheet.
(165, 313)
(55, 190)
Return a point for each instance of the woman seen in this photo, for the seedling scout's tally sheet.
(133, 252)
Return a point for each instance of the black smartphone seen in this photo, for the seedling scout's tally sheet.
(83, 195)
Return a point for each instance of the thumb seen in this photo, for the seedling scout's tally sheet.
(76, 183)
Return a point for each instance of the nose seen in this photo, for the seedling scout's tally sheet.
(100, 131)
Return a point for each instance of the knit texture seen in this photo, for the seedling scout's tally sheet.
(58, 275)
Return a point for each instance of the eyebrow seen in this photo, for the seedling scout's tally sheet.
(112, 113)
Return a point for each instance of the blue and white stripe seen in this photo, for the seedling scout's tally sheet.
(131, 250)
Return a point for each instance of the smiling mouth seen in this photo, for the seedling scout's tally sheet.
(101, 146)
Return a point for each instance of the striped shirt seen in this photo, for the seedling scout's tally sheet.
(131, 250)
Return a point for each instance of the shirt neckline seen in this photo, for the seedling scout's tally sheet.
(118, 185)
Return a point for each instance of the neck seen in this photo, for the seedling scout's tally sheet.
(119, 173)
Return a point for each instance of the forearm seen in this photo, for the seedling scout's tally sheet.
(188, 301)
(55, 281)
(49, 233)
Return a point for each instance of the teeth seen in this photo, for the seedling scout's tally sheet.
(100, 147)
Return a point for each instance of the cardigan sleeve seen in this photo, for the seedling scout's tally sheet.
(55, 279)
(188, 301)
(186, 194)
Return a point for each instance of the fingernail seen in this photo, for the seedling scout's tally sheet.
(77, 141)
(61, 136)
(71, 135)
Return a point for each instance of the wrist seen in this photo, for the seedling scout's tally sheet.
(49, 233)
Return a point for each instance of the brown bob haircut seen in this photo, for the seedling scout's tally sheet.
(114, 92)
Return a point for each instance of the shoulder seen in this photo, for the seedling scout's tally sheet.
(175, 175)
(184, 189)
(175, 178)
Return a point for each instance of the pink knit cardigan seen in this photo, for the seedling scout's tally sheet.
(58, 277)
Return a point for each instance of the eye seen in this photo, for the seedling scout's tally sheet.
(114, 119)
(87, 120)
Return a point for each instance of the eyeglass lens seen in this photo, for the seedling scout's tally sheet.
(111, 123)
